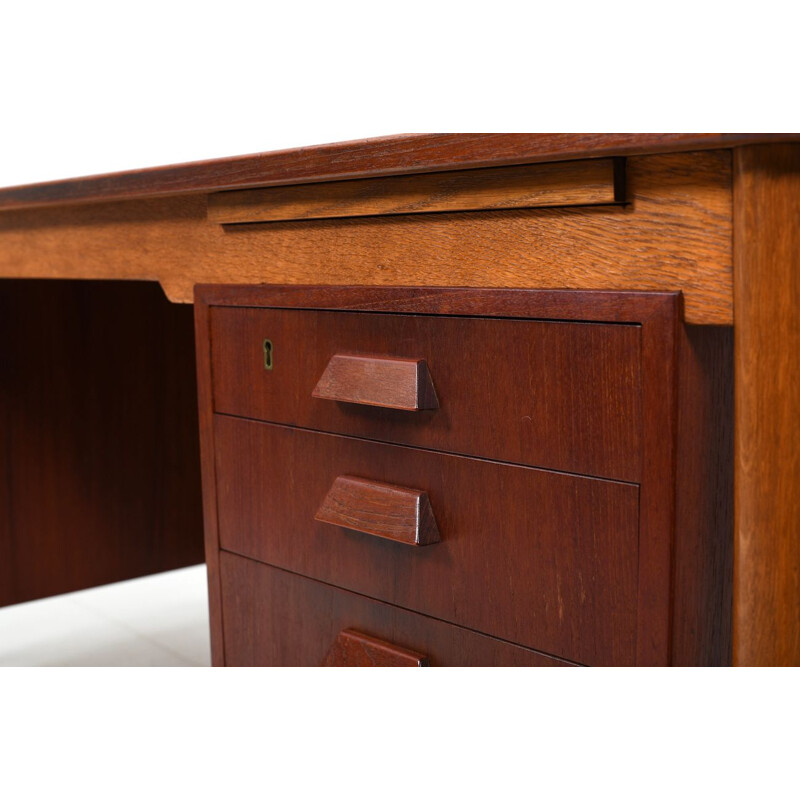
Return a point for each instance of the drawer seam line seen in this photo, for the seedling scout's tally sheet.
(584, 475)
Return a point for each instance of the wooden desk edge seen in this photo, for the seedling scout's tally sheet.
(366, 158)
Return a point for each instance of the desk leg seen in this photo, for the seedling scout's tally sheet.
(766, 604)
(205, 403)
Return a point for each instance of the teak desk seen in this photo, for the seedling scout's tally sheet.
(575, 441)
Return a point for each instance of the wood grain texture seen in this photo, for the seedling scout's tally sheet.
(354, 649)
(400, 383)
(703, 573)
(766, 610)
(575, 183)
(674, 233)
(99, 464)
(380, 509)
(362, 158)
(557, 395)
(547, 560)
(275, 618)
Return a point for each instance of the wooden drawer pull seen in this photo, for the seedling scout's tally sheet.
(378, 381)
(380, 509)
(354, 649)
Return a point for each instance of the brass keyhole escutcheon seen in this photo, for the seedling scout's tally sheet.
(267, 354)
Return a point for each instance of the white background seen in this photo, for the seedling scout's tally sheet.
(89, 88)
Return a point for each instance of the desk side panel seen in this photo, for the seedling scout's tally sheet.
(703, 571)
(100, 466)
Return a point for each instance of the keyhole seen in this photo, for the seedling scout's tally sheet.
(267, 354)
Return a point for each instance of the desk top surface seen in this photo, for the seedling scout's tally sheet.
(364, 158)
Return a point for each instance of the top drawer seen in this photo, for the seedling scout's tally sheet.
(559, 395)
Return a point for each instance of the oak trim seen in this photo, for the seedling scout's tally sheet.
(674, 233)
(570, 183)
(766, 581)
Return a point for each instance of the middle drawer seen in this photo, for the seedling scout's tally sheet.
(543, 559)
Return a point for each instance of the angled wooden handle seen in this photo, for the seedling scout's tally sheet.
(380, 509)
(378, 381)
(354, 649)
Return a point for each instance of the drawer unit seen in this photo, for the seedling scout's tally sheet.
(495, 466)
(545, 559)
(559, 395)
(277, 618)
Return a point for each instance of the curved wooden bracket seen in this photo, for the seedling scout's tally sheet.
(380, 509)
(378, 381)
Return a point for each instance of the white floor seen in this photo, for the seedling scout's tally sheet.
(157, 621)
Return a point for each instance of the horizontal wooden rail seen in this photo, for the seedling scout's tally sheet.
(569, 183)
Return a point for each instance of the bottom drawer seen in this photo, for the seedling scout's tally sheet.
(276, 618)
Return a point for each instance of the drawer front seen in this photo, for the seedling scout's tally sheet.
(544, 559)
(277, 619)
(558, 395)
